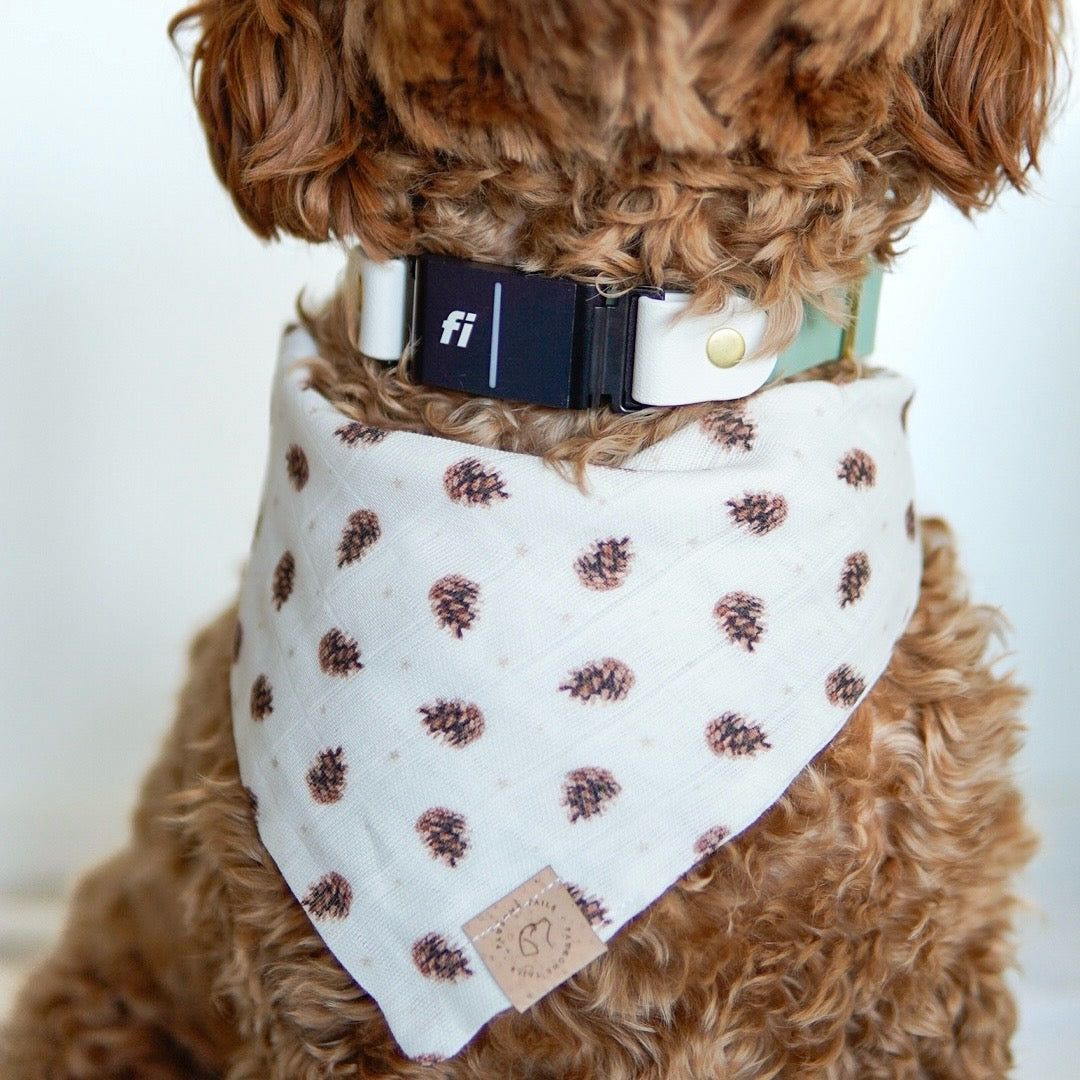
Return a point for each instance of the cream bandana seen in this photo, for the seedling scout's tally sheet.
(454, 668)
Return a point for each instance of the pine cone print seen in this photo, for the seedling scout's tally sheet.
(604, 680)
(731, 735)
(252, 801)
(730, 427)
(909, 521)
(854, 578)
(591, 907)
(436, 958)
(339, 653)
(360, 533)
(296, 465)
(454, 603)
(457, 723)
(858, 469)
(282, 585)
(444, 834)
(357, 434)
(711, 841)
(262, 698)
(759, 512)
(587, 791)
(740, 618)
(844, 687)
(326, 777)
(468, 482)
(238, 640)
(604, 565)
(329, 898)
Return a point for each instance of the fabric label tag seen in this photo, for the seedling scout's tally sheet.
(533, 939)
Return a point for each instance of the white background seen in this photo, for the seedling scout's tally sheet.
(138, 324)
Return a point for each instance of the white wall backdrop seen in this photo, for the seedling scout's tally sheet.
(138, 323)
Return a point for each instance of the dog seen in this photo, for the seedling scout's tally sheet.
(731, 153)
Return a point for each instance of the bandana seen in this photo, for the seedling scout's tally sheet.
(456, 669)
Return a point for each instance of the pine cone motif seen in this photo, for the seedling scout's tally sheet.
(357, 434)
(740, 618)
(454, 603)
(238, 640)
(444, 834)
(909, 521)
(729, 427)
(711, 841)
(326, 777)
(587, 791)
(857, 468)
(844, 687)
(604, 565)
(854, 578)
(759, 512)
(329, 898)
(436, 958)
(591, 907)
(468, 482)
(731, 735)
(360, 533)
(339, 653)
(262, 698)
(296, 466)
(604, 680)
(457, 723)
(284, 576)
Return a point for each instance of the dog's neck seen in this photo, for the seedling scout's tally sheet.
(389, 396)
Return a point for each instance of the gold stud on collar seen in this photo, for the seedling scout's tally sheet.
(725, 347)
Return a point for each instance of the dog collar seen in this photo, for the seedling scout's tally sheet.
(498, 332)
(455, 669)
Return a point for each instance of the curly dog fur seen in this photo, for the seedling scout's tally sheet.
(861, 927)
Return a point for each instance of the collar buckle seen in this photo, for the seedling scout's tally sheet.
(499, 332)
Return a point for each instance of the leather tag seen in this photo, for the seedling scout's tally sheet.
(533, 939)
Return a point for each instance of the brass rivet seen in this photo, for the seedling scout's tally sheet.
(725, 347)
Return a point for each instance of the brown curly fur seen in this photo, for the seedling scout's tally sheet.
(860, 929)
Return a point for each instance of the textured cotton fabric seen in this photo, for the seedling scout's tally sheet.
(454, 667)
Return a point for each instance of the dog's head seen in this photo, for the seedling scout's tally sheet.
(768, 145)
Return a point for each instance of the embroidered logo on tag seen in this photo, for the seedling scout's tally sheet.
(534, 939)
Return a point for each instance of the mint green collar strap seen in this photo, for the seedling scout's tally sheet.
(821, 340)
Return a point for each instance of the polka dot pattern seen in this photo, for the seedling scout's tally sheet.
(452, 667)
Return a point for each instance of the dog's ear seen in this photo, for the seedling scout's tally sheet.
(979, 95)
(296, 131)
